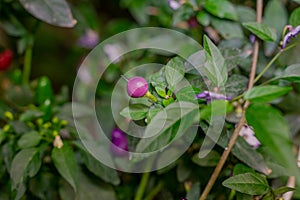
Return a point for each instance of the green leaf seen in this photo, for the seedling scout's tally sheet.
(44, 185)
(194, 192)
(29, 139)
(19, 127)
(266, 93)
(241, 169)
(195, 63)
(248, 183)
(168, 101)
(260, 30)
(282, 190)
(215, 67)
(233, 55)
(275, 16)
(88, 189)
(102, 171)
(228, 29)
(183, 13)
(183, 171)
(210, 160)
(187, 94)
(95, 190)
(55, 12)
(135, 111)
(34, 165)
(152, 112)
(215, 108)
(246, 14)
(169, 123)
(20, 166)
(158, 79)
(291, 73)
(65, 163)
(245, 153)
(295, 17)
(241, 196)
(161, 91)
(174, 71)
(203, 18)
(236, 85)
(221, 8)
(272, 131)
(30, 115)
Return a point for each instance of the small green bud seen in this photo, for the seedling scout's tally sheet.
(55, 120)
(6, 128)
(55, 133)
(9, 115)
(47, 125)
(64, 122)
(39, 121)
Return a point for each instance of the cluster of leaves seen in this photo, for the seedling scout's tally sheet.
(43, 158)
(227, 66)
(40, 154)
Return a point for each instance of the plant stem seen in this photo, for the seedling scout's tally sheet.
(151, 96)
(267, 66)
(142, 186)
(223, 158)
(155, 191)
(214, 176)
(272, 61)
(27, 61)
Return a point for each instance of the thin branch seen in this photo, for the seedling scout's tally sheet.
(214, 176)
(223, 159)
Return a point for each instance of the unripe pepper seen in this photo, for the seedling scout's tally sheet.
(43, 91)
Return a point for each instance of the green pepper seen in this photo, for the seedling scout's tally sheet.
(43, 91)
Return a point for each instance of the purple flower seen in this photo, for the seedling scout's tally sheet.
(248, 134)
(208, 96)
(84, 75)
(252, 38)
(192, 22)
(89, 40)
(293, 33)
(113, 51)
(174, 4)
(137, 87)
(119, 143)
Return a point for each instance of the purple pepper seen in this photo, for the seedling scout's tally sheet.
(89, 40)
(137, 87)
(119, 143)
